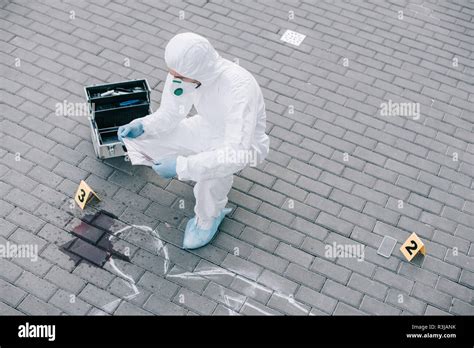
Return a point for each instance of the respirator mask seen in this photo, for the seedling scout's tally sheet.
(180, 87)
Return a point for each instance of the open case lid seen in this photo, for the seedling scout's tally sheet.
(127, 94)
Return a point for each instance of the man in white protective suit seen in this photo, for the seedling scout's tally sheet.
(227, 134)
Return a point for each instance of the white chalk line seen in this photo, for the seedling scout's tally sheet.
(211, 272)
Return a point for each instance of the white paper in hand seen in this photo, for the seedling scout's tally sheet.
(136, 156)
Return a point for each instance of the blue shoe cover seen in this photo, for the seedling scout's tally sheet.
(195, 237)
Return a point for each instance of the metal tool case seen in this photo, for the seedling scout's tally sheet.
(110, 110)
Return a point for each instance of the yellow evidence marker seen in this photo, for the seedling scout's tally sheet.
(84, 194)
(412, 246)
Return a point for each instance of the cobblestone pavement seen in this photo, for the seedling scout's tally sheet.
(339, 171)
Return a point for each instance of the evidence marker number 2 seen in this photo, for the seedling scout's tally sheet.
(412, 246)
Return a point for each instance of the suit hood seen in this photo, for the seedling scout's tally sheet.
(193, 56)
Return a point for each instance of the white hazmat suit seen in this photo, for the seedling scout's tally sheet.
(227, 134)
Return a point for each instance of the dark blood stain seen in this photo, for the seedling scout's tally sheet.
(108, 222)
(93, 239)
(89, 252)
(106, 244)
(88, 217)
(88, 232)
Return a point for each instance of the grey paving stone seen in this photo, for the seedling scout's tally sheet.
(310, 229)
(254, 308)
(346, 199)
(268, 260)
(93, 275)
(65, 280)
(368, 286)
(66, 154)
(181, 257)
(297, 208)
(330, 270)
(394, 280)
(441, 267)
(289, 190)
(158, 285)
(418, 274)
(285, 234)
(251, 289)
(53, 215)
(25, 220)
(403, 301)
(11, 294)
(344, 309)
(255, 175)
(275, 214)
(193, 301)
(342, 293)
(456, 290)
(224, 295)
(99, 298)
(467, 278)
(422, 229)
(22, 237)
(370, 195)
(459, 259)
(158, 195)
(34, 306)
(430, 310)
(49, 195)
(180, 276)
(328, 205)
(124, 269)
(54, 234)
(125, 289)
(222, 310)
(126, 308)
(244, 200)
(359, 265)
(212, 254)
(288, 305)
(259, 239)
(314, 247)
(35, 264)
(7, 310)
(251, 219)
(53, 254)
(316, 299)
(69, 303)
(461, 308)
(432, 296)
(313, 186)
(293, 254)
(151, 262)
(22, 199)
(336, 224)
(41, 288)
(381, 213)
(9, 271)
(233, 245)
(373, 306)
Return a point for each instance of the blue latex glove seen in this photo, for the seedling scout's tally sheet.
(166, 168)
(130, 130)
